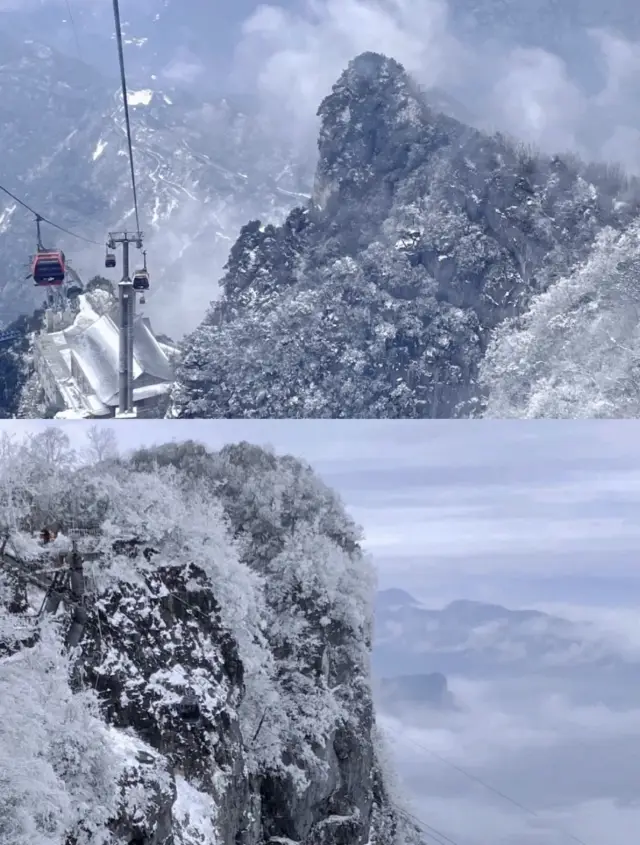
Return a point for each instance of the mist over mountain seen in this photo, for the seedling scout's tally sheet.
(484, 641)
(546, 713)
(204, 167)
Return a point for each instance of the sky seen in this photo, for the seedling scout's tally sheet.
(526, 513)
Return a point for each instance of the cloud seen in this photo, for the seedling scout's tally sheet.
(536, 100)
(566, 746)
(183, 70)
(585, 100)
(294, 56)
(301, 52)
(568, 763)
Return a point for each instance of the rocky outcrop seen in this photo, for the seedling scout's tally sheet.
(214, 726)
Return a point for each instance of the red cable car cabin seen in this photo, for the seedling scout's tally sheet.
(48, 268)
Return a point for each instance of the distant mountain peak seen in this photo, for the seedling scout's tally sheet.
(479, 612)
(376, 67)
(373, 101)
(474, 604)
(395, 596)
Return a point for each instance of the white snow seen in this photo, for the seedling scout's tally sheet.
(5, 217)
(282, 840)
(72, 414)
(88, 352)
(100, 148)
(150, 390)
(140, 98)
(293, 194)
(195, 812)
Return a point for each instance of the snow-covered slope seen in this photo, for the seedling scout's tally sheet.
(221, 690)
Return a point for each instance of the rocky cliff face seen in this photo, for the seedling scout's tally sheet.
(379, 297)
(222, 686)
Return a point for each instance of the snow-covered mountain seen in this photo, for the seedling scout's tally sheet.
(220, 692)
(380, 296)
(187, 41)
(423, 245)
(544, 23)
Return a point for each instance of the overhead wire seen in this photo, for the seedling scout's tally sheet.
(439, 837)
(123, 81)
(73, 27)
(429, 832)
(41, 217)
(46, 220)
(493, 789)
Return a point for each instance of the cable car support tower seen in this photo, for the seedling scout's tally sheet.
(126, 285)
(127, 308)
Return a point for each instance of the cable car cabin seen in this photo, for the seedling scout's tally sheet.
(141, 280)
(110, 260)
(48, 268)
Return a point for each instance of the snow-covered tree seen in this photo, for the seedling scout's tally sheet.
(235, 574)
(103, 443)
(58, 770)
(576, 351)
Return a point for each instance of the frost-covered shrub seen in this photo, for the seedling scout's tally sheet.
(576, 351)
(58, 770)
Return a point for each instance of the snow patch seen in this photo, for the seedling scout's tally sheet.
(72, 414)
(100, 148)
(140, 98)
(195, 812)
(5, 217)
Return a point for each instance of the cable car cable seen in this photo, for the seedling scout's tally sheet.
(440, 838)
(495, 791)
(46, 220)
(123, 80)
(73, 27)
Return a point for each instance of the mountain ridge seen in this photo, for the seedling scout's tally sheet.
(479, 639)
(378, 299)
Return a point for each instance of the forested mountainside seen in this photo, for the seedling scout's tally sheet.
(221, 689)
(379, 298)
(575, 351)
